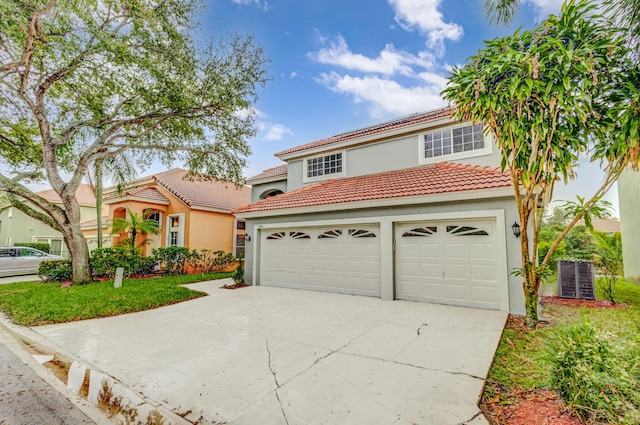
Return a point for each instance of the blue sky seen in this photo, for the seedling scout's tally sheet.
(341, 65)
(338, 66)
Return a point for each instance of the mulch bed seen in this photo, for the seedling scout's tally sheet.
(542, 407)
(234, 286)
(528, 407)
(571, 302)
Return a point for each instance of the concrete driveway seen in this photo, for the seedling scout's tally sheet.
(261, 355)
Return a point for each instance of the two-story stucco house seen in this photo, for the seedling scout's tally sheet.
(411, 209)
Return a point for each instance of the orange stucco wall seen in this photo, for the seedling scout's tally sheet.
(210, 230)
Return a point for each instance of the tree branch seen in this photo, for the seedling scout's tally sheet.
(610, 179)
(14, 189)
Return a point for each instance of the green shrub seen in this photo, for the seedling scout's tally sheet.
(174, 259)
(40, 246)
(609, 263)
(215, 261)
(238, 274)
(55, 270)
(599, 379)
(105, 261)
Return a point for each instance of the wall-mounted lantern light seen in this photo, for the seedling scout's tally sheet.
(247, 238)
(516, 229)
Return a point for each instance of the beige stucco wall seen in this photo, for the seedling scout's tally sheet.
(629, 198)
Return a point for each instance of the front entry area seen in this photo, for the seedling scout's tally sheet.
(343, 259)
(448, 262)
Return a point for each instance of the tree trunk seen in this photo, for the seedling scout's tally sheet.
(79, 254)
(75, 240)
(99, 201)
(531, 302)
(531, 284)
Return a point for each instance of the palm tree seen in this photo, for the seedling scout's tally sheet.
(624, 13)
(135, 225)
(120, 170)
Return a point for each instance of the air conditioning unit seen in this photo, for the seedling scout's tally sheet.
(576, 279)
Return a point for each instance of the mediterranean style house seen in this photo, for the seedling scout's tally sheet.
(16, 227)
(190, 213)
(411, 209)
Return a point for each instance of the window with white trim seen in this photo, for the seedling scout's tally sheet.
(324, 165)
(451, 141)
(175, 230)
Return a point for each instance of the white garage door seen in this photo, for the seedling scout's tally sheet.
(344, 259)
(452, 262)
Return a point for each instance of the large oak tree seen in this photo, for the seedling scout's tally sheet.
(84, 81)
(564, 89)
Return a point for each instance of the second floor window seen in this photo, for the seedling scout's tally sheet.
(452, 141)
(324, 165)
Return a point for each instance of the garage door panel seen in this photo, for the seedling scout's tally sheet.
(433, 290)
(482, 251)
(454, 262)
(324, 259)
(453, 251)
(429, 250)
(457, 271)
(484, 294)
(484, 273)
(457, 291)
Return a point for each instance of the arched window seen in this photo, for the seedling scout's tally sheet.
(269, 193)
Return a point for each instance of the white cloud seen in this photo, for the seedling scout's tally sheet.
(277, 132)
(258, 3)
(272, 131)
(389, 61)
(544, 8)
(424, 15)
(387, 97)
(293, 75)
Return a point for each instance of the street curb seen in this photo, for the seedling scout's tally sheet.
(18, 338)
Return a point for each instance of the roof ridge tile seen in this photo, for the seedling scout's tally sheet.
(373, 129)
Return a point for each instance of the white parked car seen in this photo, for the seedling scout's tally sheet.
(22, 260)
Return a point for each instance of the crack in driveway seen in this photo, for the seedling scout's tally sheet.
(275, 378)
(416, 366)
(471, 419)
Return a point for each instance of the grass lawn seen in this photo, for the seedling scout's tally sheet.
(517, 366)
(35, 303)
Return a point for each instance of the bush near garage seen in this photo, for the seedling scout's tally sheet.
(55, 270)
(214, 261)
(40, 246)
(175, 259)
(599, 378)
(105, 261)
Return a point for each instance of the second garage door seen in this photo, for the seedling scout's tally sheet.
(344, 259)
(452, 262)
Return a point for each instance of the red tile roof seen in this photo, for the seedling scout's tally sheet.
(389, 125)
(443, 177)
(203, 193)
(94, 222)
(84, 194)
(147, 192)
(280, 170)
